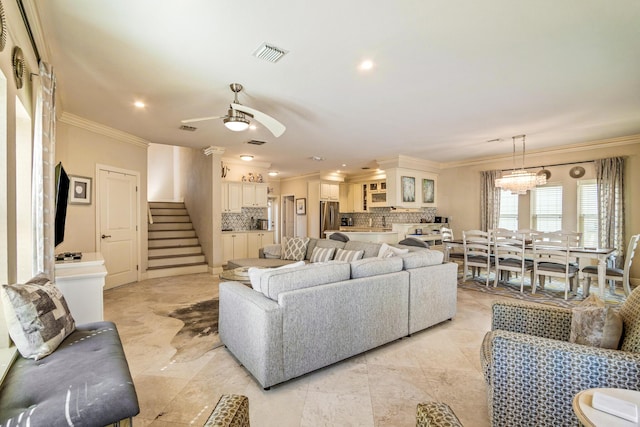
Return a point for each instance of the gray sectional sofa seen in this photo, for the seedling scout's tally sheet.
(304, 318)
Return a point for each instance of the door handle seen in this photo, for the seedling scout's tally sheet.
(104, 236)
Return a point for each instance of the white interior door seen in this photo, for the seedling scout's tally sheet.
(118, 231)
(288, 216)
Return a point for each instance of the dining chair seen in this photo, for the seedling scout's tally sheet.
(450, 253)
(551, 257)
(509, 256)
(477, 252)
(616, 274)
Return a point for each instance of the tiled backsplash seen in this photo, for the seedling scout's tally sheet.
(242, 221)
(390, 217)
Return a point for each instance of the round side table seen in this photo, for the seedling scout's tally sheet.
(591, 417)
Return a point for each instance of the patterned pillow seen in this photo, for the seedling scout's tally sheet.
(348, 256)
(322, 254)
(294, 248)
(37, 315)
(594, 324)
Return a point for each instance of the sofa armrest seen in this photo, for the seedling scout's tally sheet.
(250, 325)
(532, 319)
(270, 251)
(532, 380)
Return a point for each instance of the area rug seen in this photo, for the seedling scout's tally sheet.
(200, 331)
(553, 292)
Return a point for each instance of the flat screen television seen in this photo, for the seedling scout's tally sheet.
(62, 196)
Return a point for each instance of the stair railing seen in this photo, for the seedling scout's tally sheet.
(149, 216)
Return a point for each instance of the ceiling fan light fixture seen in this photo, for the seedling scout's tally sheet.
(236, 124)
(246, 157)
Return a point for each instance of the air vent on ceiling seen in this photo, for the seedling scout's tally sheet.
(256, 142)
(269, 53)
(188, 128)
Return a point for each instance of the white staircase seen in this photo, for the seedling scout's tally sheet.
(173, 245)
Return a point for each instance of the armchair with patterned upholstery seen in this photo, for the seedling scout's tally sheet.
(533, 371)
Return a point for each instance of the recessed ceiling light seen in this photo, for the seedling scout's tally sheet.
(139, 104)
(246, 157)
(273, 173)
(344, 165)
(366, 65)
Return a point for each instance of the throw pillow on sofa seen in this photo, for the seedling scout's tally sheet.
(255, 273)
(387, 251)
(348, 256)
(37, 316)
(322, 254)
(294, 248)
(595, 324)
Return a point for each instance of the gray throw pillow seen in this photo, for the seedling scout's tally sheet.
(595, 324)
(37, 316)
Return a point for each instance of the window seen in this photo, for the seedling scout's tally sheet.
(508, 210)
(24, 224)
(546, 208)
(588, 211)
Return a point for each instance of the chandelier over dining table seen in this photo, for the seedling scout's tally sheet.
(520, 181)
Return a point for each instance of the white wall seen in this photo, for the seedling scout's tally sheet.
(163, 175)
(80, 145)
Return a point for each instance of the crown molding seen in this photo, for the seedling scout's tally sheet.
(73, 120)
(252, 163)
(574, 148)
(406, 162)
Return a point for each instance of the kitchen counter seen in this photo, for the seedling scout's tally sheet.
(244, 231)
(362, 229)
(367, 236)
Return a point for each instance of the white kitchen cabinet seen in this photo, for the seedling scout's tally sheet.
(257, 240)
(329, 191)
(346, 198)
(234, 245)
(231, 197)
(360, 197)
(254, 195)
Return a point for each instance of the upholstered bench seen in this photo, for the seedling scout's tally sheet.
(84, 382)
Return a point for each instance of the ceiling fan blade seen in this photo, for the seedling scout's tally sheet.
(274, 126)
(200, 119)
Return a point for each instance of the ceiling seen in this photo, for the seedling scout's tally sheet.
(448, 75)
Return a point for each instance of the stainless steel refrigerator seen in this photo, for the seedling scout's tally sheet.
(329, 217)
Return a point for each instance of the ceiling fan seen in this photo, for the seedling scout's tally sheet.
(236, 118)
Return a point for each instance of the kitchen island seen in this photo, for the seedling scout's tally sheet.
(368, 236)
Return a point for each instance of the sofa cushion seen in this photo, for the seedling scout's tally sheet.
(322, 254)
(375, 266)
(37, 315)
(422, 258)
(276, 281)
(594, 324)
(370, 249)
(387, 251)
(294, 248)
(348, 256)
(255, 273)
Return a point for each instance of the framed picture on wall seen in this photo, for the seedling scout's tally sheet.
(428, 191)
(79, 190)
(301, 206)
(408, 189)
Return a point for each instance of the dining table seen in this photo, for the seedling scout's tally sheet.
(599, 254)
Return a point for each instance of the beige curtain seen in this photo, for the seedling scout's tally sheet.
(609, 176)
(43, 191)
(489, 200)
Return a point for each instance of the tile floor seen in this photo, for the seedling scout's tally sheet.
(378, 388)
